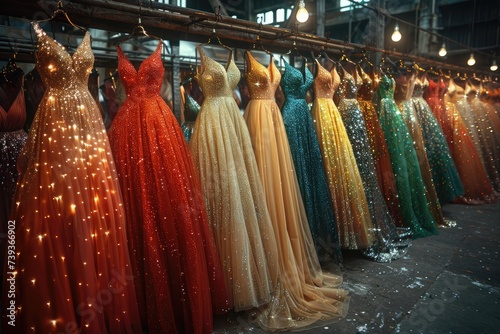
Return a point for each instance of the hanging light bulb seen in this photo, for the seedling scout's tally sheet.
(471, 60)
(494, 65)
(442, 52)
(396, 35)
(302, 13)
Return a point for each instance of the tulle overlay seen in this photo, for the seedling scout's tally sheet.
(304, 294)
(232, 188)
(73, 263)
(411, 189)
(177, 270)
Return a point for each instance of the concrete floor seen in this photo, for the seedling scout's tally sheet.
(448, 283)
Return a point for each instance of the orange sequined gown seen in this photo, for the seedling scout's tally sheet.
(73, 265)
(176, 266)
(235, 201)
(301, 279)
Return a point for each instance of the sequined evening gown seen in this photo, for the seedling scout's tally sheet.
(307, 159)
(383, 225)
(404, 86)
(380, 153)
(444, 171)
(301, 279)
(191, 110)
(12, 138)
(477, 186)
(411, 189)
(237, 210)
(346, 187)
(73, 265)
(177, 270)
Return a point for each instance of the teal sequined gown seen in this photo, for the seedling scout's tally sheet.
(308, 162)
(444, 172)
(411, 189)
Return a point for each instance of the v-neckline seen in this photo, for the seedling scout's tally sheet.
(44, 34)
(118, 47)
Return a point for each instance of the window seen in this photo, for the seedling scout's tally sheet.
(345, 5)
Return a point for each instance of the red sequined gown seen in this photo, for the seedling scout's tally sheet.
(176, 266)
(73, 265)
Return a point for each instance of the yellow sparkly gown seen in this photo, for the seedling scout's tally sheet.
(73, 265)
(351, 208)
(304, 295)
(237, 211)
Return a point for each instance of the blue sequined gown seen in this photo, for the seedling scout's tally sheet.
(411, 189)
(307, 159)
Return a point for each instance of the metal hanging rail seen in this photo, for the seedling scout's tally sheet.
(194, 24)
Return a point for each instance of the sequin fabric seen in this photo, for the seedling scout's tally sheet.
(191, 110)
(308, 160)
(237, 210)
(301, 279)
(444, 172)
(71, 233)
(354, 224)
(178, 276)
(411, 188)
(383, 226)
(477, 186)
(380, 153)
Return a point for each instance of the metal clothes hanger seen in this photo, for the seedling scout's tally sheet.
(60, 10)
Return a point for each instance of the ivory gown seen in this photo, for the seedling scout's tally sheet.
(237, 211)
(71, 227)
(304, 294)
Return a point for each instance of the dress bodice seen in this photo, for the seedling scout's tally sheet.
(348, 87)
(214, 79)
(295, 83)
(59, 69)
(147, 80)
(404, 88)
(262, 81)
(386, 87)
(326, 82)
(420, 87)
(365, 91)
(432, 90)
